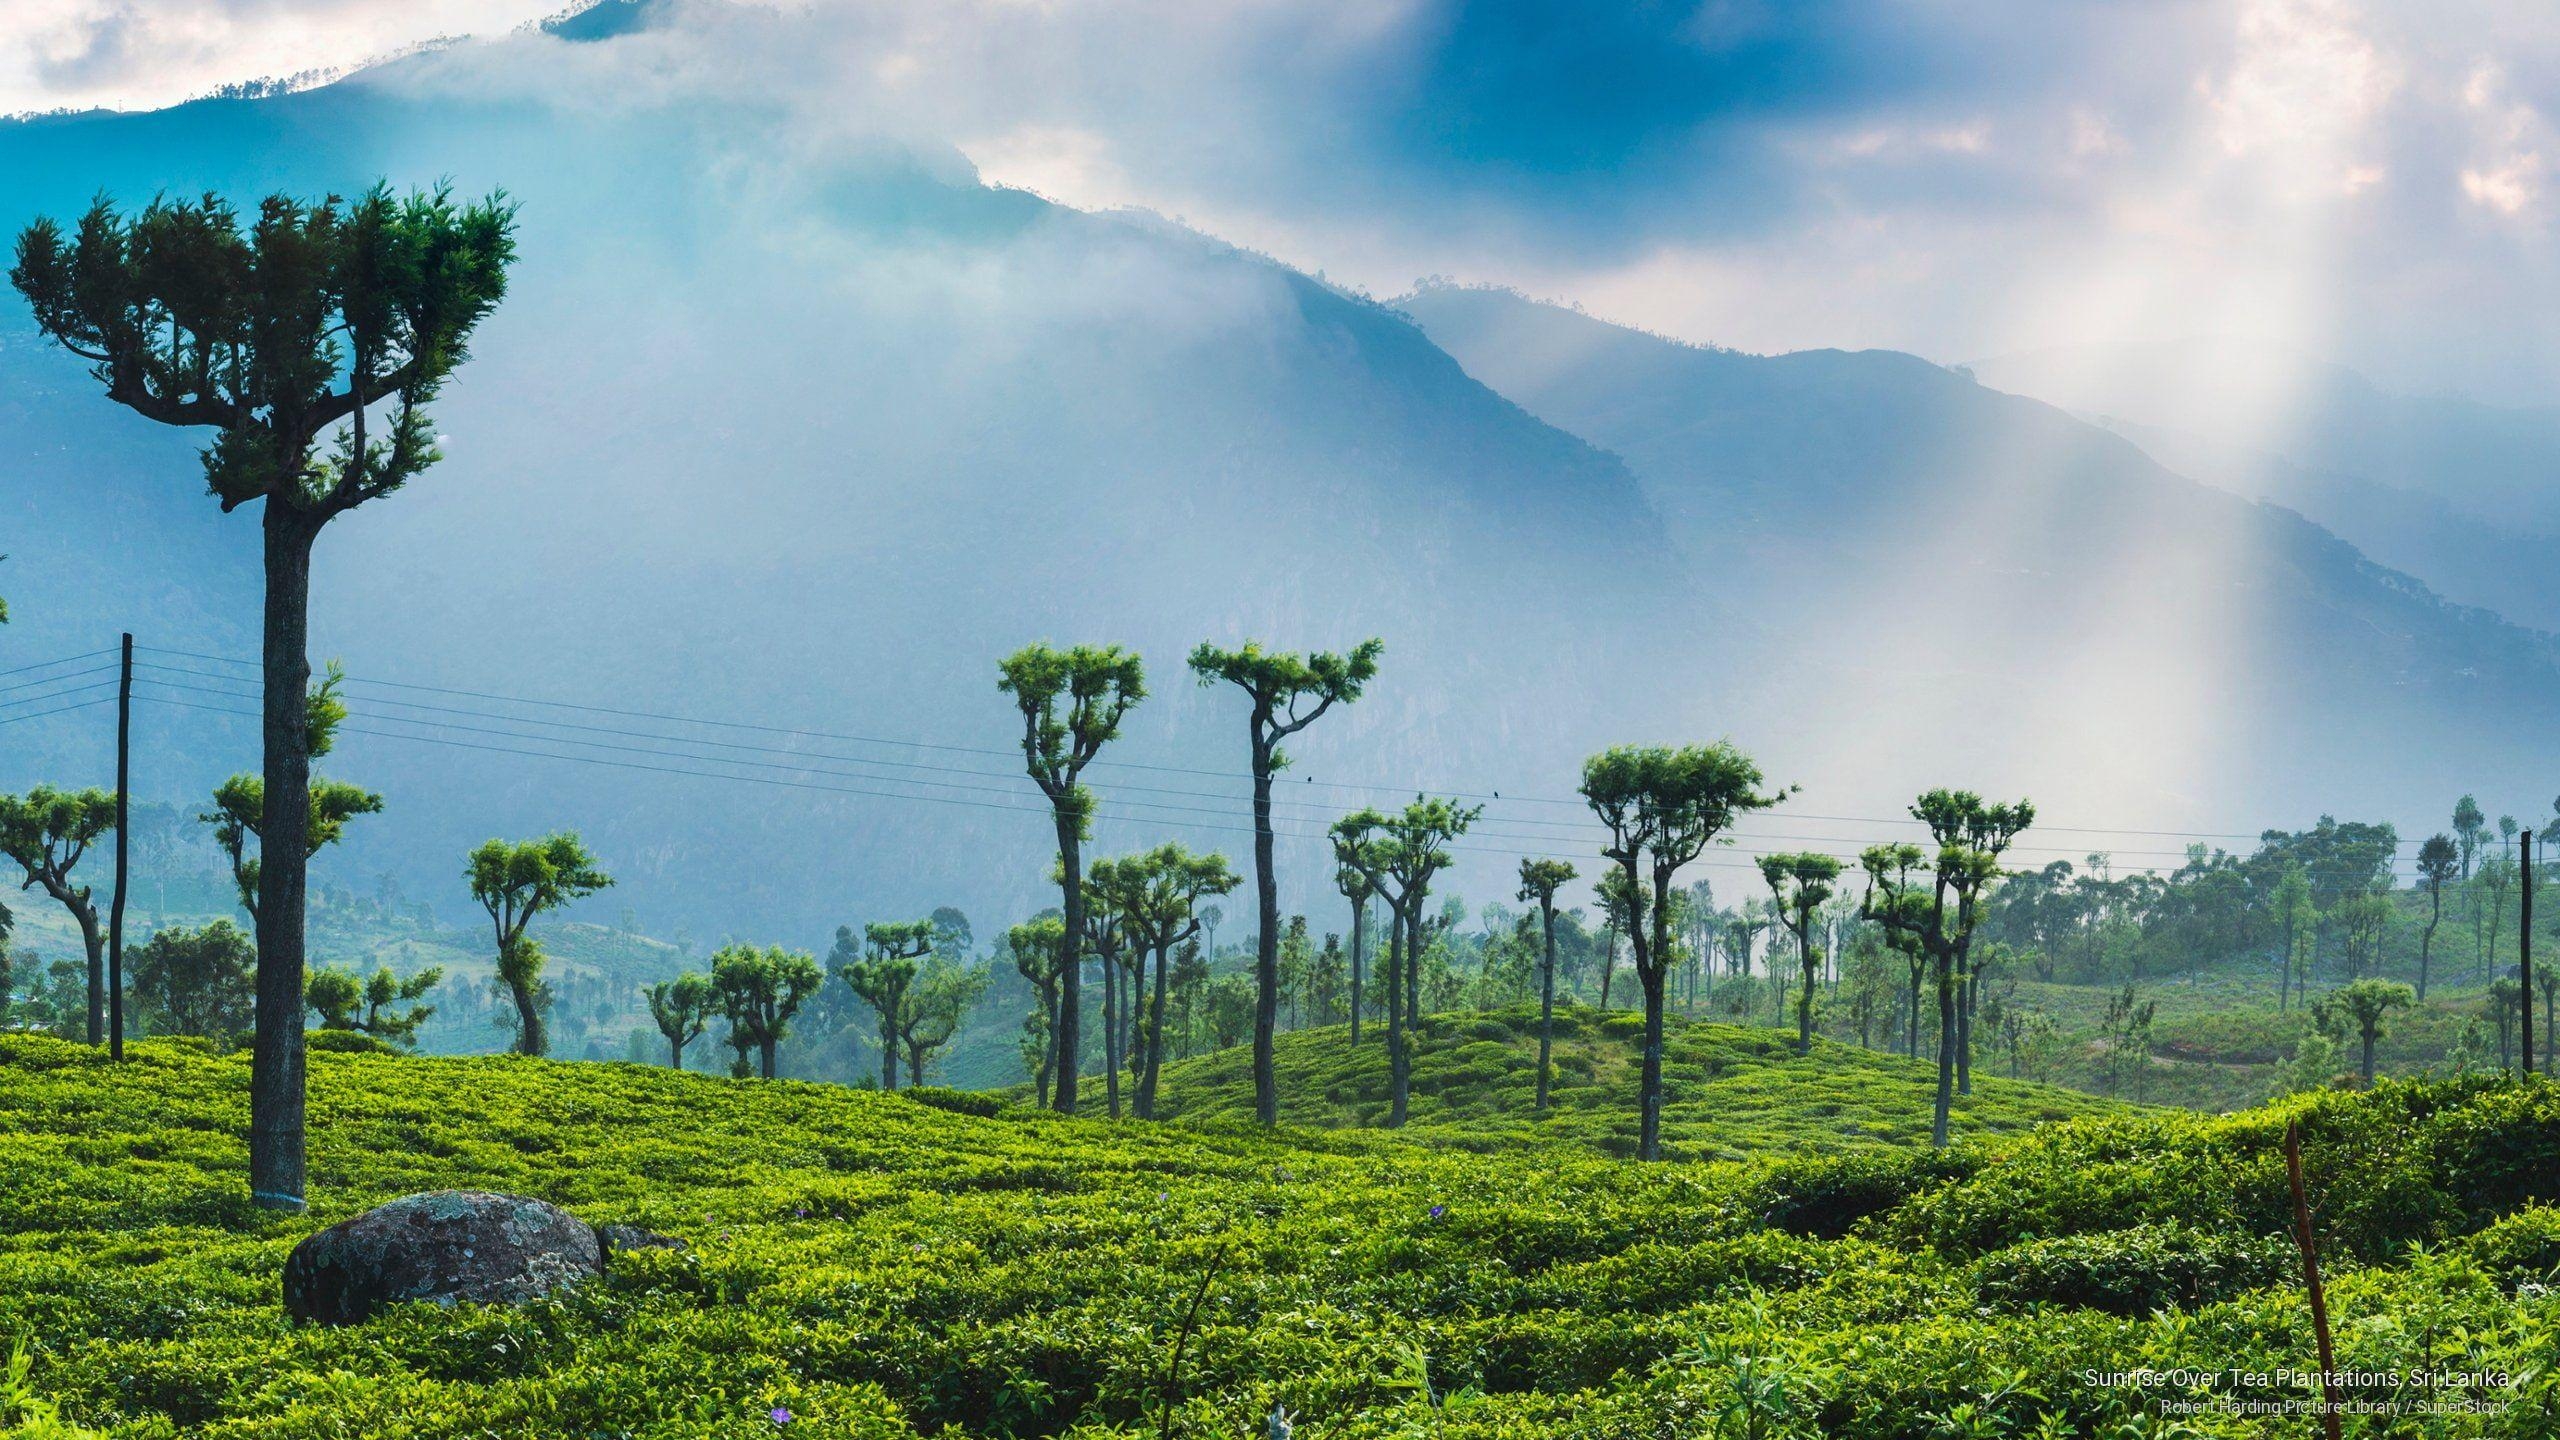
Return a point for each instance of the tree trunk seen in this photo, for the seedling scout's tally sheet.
(1155, 1038)
(96, 945)
(276, 1095)
(1964, 1016)
(1266, 947)
(1649, 1122)
(675, 1053)
(1359, 934)
(2370, 1037)
(888, 1055)
(1399, 1024)
(1804, 1000)
(530, 1039)
(1069, 1031)
(764, 1051)
(1946, 1052)
(1111, 1035)
(2427, 944)
(1546, 1006)
(1608, 965)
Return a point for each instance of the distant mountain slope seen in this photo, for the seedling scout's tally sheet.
(1938, 559)
(2463, 495)
(1732, 1091)
(812, 442)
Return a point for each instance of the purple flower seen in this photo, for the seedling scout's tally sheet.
(1438, 1211)
(779, 1415)
(801, 1214)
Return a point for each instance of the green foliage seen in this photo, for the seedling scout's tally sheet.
(2133, 1271)
(195, 316)
(761, 988)
(1072, 702)
(881, 1268)
(516, 881)
(681, 1008)
(195, 982)
(239, 812)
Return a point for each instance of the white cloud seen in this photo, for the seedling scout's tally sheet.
(140, 54)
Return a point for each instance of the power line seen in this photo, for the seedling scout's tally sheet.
(1743, 861)
(63, 710)
(56, 679)
(65, 660)
(1588, 830)
(859, 739)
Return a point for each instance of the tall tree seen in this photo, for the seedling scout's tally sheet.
(1287, 693)
(1157, 895)
(1072, 703)
(2470, 827)
(2438, 863)
(682, 1008)
(1539, 882)
(1662, 807)
(516, 881)
(1798, 885)
(883, 974)
(46, 832)
(1359, 886)
(281, 332)
(1934, 902)
(761, 988)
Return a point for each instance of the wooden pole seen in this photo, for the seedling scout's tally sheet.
(2524, 950)
(2311, 1279)
(115, 909)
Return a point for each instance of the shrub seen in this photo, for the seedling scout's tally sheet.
(958, 1102)
(2133, 1272)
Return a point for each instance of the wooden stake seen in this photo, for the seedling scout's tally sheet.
(2311, 1278)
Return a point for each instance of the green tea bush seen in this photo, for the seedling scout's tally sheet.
(2133, 1271)
(958, 1102)
(860, 1264)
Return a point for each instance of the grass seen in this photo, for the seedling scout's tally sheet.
(871, 1266)
(1732, 1091)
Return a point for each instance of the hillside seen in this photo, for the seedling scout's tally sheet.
(865, 1265)
(1734, 1092)
(1946, 569)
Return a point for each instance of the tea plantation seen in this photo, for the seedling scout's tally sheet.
(870, 1265)
(1734, 1091)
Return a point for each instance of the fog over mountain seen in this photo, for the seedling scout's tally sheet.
(806, 431)
(2456, 492)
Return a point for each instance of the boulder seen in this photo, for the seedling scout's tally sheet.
(444, 1246)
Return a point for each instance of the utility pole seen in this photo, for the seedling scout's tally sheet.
(115, 910)
(2524, 951)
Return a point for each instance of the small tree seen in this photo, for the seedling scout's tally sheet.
(1157, 895)
(883, 975)
(2366, 1004)
(682, 1007)
(1037, 947)
(1072, 703)
(278, 333)
(1358, 885)
(761, 989)
(239, 808)
(2438, 862)
(196, 982)
(390, 1009)
(1287, 693)
(516, 881)
(334, 995)
(1798, 886)
(46, 832)
(1662, 807)
(1932, 903)
(942, 996)
(1412, 847)
(1539, 882)
(2503, 1006)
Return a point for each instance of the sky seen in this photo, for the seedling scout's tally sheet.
(2359, 180)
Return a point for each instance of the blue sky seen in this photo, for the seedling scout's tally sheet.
(2356, 179)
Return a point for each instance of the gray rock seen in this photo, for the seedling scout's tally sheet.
(444, 1246)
